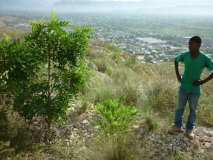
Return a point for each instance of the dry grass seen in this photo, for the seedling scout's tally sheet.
(152, 88)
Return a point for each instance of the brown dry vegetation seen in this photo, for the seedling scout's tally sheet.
(152, 88)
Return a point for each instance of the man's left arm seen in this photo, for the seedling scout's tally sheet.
(200, 82)
(209, 65)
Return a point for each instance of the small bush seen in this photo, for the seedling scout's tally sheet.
(182, 156)
(129, 92)
(162, 97)
(151, 124)
(131, 61)
(3, 125)
(115, 117)
(100, 64)
(114, 148)
(99, 88)
(127, 82)
(205, 111)
(15, 135)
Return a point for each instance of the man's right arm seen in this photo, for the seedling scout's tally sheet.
(177, 71)
(179, 58)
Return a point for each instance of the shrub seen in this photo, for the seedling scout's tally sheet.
(15, 134)
(45, 69)
(127, 82)
(182, 156)
(113, 148)
(162, 97)
(205, 111)
(97, 87)
(151, 124)
(100, 65)
(131, 61)
(4, 128)
(115, 117)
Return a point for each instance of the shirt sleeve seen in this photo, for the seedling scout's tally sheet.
(180, 58)
(209, 64)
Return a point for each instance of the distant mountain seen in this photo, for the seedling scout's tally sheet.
(98, 6)
(103, 2)
(18, 3)
(24, 4)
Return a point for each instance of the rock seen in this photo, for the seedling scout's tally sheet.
(135, 126)
(85, 122)
(93, 66)
(207, 145)
(196, 144)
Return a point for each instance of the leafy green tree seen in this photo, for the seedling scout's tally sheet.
(46, 69)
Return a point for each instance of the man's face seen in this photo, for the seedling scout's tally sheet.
(194, 46)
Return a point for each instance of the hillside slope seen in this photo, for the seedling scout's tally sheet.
(151, 88)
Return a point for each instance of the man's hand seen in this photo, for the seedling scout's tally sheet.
(179, 78)
(198, 82)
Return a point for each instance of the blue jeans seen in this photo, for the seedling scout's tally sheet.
(192, 99)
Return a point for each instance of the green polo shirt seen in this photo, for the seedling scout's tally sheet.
(193, 70)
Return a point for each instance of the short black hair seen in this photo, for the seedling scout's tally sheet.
(196, 39)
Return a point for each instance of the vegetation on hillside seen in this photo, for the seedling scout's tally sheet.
(52, 74)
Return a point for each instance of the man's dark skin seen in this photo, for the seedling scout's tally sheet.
(194, 49)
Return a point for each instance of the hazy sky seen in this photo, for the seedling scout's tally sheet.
(51, 2)
(156, 1)
(166, 6)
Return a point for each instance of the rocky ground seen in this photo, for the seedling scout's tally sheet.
(165, 144)
(162, 144)
(80, 126)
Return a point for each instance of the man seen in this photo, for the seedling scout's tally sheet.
(189, 91)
